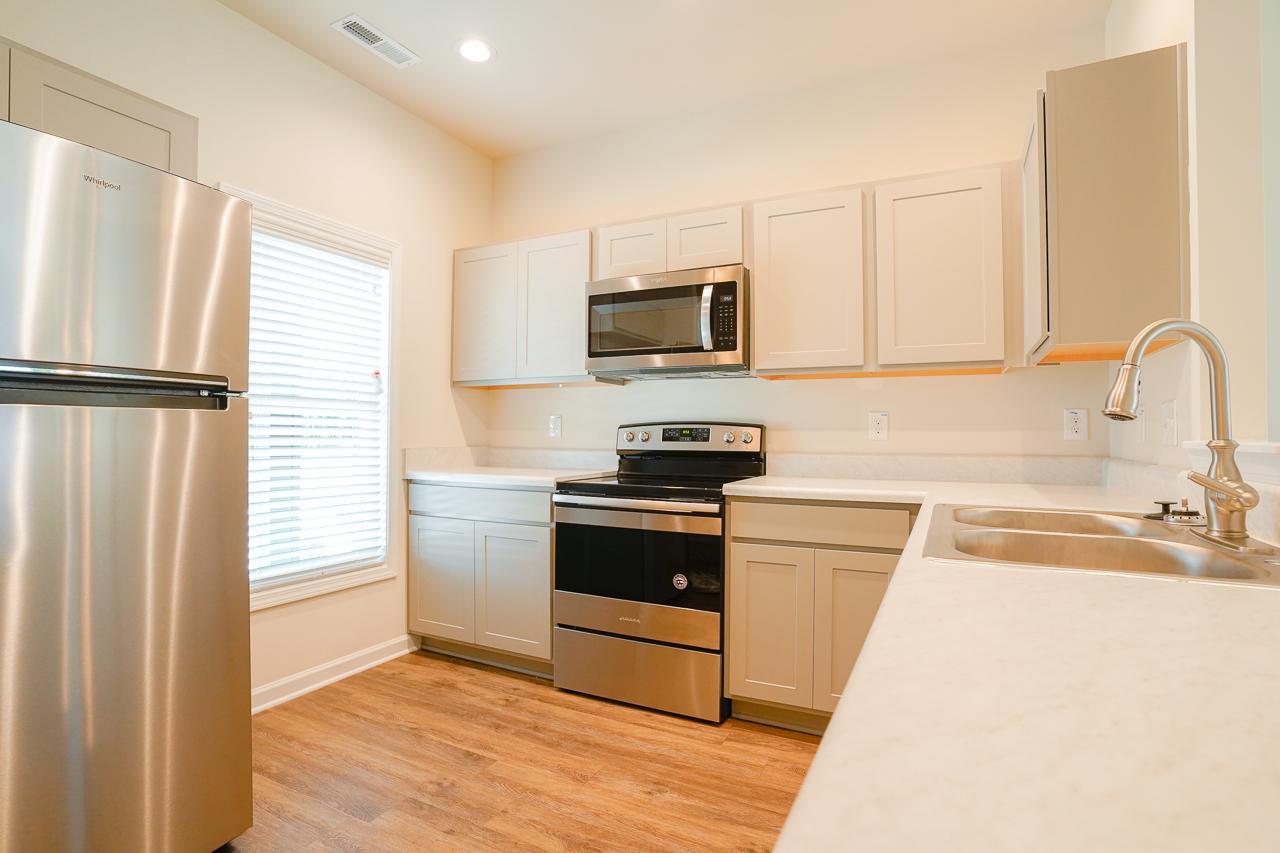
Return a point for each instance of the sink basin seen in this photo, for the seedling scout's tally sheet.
(1109, 553)
(1098, 541)
(1060, 521)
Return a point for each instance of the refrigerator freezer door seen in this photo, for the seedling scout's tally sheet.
(107, 262)
(124, 628)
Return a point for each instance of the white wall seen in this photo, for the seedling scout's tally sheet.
(1270, 30)
(1168, 376)
(1019, 412)
(1227, 203)
(1133, 26)
(906, 121)
(277, 122)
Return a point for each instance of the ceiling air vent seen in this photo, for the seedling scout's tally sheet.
(371, 38)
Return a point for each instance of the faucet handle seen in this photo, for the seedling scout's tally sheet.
(1241, 495)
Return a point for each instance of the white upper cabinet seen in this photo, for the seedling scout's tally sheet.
(484, 313)
(708, 238)
(807, 282)
(940, 269)
(1035, 259)
(1117, 215)
(552, 273)
(46, 95)
(637, 248)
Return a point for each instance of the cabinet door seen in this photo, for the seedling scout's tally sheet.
(4, 82)
(484, 313)
(807, 287)
(551, 279)
(940, 269)
(771, 623)
(1116, 160)
(847, 589)
(513, 588)
(1035, 261)
(708, 238)
(57, 99)
(441, 572)
(636, 248)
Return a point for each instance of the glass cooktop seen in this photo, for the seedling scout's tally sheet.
(657, 488)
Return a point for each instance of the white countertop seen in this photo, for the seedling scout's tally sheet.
(488, 477)
(999, 708)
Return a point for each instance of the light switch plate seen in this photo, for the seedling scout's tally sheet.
(554, 424)
(878, 426)
(1169, 423)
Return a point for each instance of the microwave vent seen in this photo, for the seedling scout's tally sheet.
(374, 40)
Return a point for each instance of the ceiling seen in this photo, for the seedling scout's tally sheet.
(566, 69)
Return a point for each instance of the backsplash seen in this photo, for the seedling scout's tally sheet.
(1061, 470)
(1163, 482)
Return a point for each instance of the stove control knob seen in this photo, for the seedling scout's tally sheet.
(644, 436)
(747, 438)
(728, 438)
(630, 436)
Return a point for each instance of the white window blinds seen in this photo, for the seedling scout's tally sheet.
(317, 400)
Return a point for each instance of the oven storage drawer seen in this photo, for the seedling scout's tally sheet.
(682, 681)
(680, 625)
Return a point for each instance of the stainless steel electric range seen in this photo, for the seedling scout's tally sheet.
(639, 567)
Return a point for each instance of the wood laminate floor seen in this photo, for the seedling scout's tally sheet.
(431, 753)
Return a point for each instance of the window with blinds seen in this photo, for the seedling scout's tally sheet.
(317, 401)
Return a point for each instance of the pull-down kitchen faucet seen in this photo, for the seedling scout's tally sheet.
(1227, 496)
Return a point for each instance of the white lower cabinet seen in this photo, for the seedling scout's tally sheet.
(847, 589)
(479, 581)
(441, 568)
(798, 617)
(771, 632)
(512, 588)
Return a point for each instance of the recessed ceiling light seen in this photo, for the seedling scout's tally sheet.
(475, 50)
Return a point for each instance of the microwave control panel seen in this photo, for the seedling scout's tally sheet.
(724, 317)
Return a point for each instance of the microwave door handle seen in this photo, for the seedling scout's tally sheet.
(707, 290)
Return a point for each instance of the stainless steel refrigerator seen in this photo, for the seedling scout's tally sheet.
(124, 617)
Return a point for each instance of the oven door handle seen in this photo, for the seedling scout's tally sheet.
(681, 507)
(707, 291)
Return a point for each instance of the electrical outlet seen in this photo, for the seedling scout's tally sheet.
(553, 426)
(1075, 424)
(878, 426)
(1169, 423)
(1142, 424)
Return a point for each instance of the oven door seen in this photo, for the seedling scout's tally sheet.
(628, 569)
(682, 320)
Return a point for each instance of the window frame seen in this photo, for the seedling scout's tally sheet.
(294, 224)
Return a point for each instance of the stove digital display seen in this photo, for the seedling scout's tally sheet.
(686, 434)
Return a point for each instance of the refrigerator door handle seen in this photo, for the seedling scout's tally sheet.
(54, 383)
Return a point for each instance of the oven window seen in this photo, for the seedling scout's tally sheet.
(645, 322)
(654, 567)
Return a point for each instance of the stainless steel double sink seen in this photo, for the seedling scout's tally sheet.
(1098, 541)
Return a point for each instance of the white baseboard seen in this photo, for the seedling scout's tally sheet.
(293, 686)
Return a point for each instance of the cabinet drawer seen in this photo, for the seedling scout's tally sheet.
(828, 525)
(502, 505)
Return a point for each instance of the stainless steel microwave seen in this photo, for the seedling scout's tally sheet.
(684, 323)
